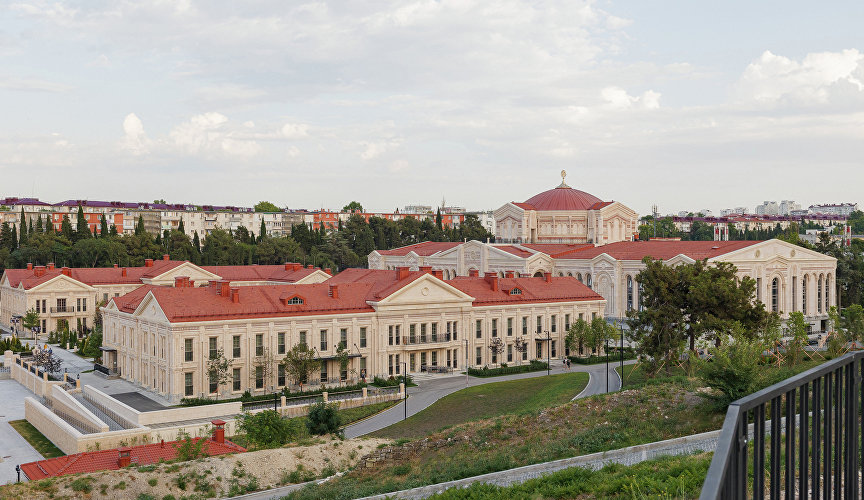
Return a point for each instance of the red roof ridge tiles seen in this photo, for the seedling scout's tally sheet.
(656, 249)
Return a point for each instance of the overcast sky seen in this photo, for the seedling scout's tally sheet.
(686, 104)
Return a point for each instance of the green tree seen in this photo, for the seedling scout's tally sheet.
(181, 227)
(103, 227)
(578, 336)
(218, 369)
(323, 418)
(733, 370)
(796, 329)
(601, 331)
(22, 235)
(160, 201)
(262, 231)
(354, 206)
(139, 227)
(196, 242)
(265, 429)
(30, 319)
(83, 228)
(39, 228)
(300, 362)
(438, 220)
(266, 206)
(853, 322)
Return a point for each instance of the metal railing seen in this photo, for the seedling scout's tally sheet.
(63, 309)
(813, 439)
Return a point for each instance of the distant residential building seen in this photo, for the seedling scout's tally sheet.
(733, 211)
(788, 206)
(417, 209)
(768, 208)
(487, 220)
(844, 209)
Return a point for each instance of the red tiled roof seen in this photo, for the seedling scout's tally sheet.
(563, 198)
(383, 282)
(560, 289)
(519, 252)
(600, 204)
(94, 461)
(92, 275)
(260, 273)
(555, 249)
(424, 249)
(524, 206)
(637, 250)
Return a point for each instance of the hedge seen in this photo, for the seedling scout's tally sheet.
(247, 397)
(533, 366)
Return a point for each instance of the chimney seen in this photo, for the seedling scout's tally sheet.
(438, 273)
(474, 273)
(50, 266)
(289, 266)
(214, 285)
(492, 279)
(426, 269)
(123, 272)
(547, 277)
(39, 271)
(509, 274)
(402, 272)
(29, 266)
(224, 288)
(67, 271)
(328, 271)
(235, 295)
(166, 257)
(297, 266)
(115, 266)
(310, 266)
(334, 291)
(218, 431)
(124, 458)
(148, 262)
(180, 281)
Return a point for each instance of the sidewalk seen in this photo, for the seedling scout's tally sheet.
(14, 449)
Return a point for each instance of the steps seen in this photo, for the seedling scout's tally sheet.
(112, 425)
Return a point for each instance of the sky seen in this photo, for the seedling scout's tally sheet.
(687, 105)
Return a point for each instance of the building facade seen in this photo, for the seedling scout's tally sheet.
(389, 321)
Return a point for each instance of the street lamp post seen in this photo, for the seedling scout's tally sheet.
(405, 382)
(622, 355)
(548, 353)
(607, 364)
(466, 362)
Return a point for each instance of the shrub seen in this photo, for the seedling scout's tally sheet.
(532, 366)
(392, 381)
(323, 418)
(265, 429)
(82, 484)
(733, 370)
(189, 448)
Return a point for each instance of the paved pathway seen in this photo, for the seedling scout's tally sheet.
(430, 390)
(14, 449)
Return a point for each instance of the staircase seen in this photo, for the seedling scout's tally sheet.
(112, 425)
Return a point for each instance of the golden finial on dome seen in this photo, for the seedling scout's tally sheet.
(563, 175)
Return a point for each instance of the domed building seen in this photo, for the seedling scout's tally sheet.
(565, 215)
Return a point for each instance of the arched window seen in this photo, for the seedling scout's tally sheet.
(629, 293)
(827, 293)
(819, 295)
(579, 276)
(641, 302)
(570, 274)
(560, 274)
(500, 274)
(588, 280)
(775, 292)
(804, 295)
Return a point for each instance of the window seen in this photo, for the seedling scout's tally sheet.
(434, 327)
(412, 333)
(509, 353)
(539, 346)
(794, 293)
(323, 343)
(362, 336)
(588, 281)
(479, 356)
(827, 292)
(38, 306)
(553, 353)
(61, 305)
(259, 344)
(629, 293)
(819, 295)
(423, 333)
(455, 353)
(303, 337)
(641, 293)
(515, 291)
(78, 305)
(343, 338)
(479, 328)
(413, 361)
(539, 324)
(280, 341)
(390, 335)
(524, 325)
(280, 375)
(449, 360)
(396, 335)
(214, 352)
(759, 289)
(295, 301)
(84, 305)
(105, 297)
(235, 380)
(525, 354)
(454, 330)
(187, 349)
(775, 292)
(804, 294)
(553, 324)
(189, 387)
(434, 358)
(509, 327)
(494, 357)
(566, 322)
(235, 346)
(494, 327)
(397, 364)
(323, 375)
(214, 384)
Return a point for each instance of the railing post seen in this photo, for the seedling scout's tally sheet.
(324, 396)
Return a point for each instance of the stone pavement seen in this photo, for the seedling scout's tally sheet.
(14, 449)
(430, 390)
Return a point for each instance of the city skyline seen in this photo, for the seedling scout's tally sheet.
(311, 106)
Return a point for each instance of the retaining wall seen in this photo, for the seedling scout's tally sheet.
(65, 403)
(63, 435)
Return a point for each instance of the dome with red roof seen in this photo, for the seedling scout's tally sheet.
(563, 197)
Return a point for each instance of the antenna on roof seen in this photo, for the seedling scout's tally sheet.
(654, 214)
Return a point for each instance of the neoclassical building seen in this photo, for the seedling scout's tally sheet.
(565, 215)
(789, 278)
(66, 297)
(389, 320)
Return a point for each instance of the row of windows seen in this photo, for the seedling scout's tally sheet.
(823, 293)
(236, 352)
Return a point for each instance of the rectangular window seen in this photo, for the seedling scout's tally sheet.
(259, 377)
(323, 343)
(593, 315)
(61, 305)
(323, 375)
(303, 337)
(362, 336)
(235, 346)
(422, 360)
(214, 352)
(397, 364)
(390, 335)
(189, 387)
(434, 358)
(390, 365)
(553, 326)
(455, 353)
(259, 344)
(449, 362)
(525, 354)
(235, 380)
(187, 349)
(509, 353)
(38, 306)
(343, 338)
(434, 332)
(105, 297)
(479, 356)
(479, 328)
(396, 335)
(494, 327)
(84, 305)
(539, 324)
(412, 333)
(566, 322)
(539, 346)
(280, 374)
(280, 343)
(454, 330)
(413, 361)
(554, 352)
(78, 305)
(524, 325)
(214, 384)
(423, 333)
(509, 327)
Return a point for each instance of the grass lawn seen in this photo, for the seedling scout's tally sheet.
(36, 439)
(490, 400)
(664, 477)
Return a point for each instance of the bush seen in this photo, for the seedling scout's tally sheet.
(266, 429)
(733, 370)
(615, 355)
(323, 418)
(532, 366)
(13, 344)
(248, 397)
(392, 381)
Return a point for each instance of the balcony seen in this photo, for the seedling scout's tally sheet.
(63, 309)
(428, 339)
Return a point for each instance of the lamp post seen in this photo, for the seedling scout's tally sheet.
(607, 364)
(405, 382)
(548, 352)
(466, 362)
(622, 355)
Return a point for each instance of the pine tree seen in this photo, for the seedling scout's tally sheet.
(83, 228)
(6, 236)
(113, 231)
(139, 228)
(438, 219)
(181, 227)
(103, 226)
(30, 229)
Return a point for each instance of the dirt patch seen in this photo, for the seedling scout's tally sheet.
(217, 476)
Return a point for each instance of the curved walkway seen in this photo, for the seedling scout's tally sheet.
(431, 390)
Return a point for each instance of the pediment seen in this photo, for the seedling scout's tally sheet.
(426, 290)
(680, 259)
(189, 269)
(63, 283)
(508, 209)
(318, 276)
(150, 309)
(604, 261)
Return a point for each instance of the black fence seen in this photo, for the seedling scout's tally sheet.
(800, 437)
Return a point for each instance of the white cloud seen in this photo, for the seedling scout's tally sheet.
(134, 139)
(618, 98)
(294, 130)
(372, 150)
(32, 85)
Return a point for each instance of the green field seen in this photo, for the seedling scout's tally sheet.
(36, 439)
(490, 400)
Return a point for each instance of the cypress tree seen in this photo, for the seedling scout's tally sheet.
(139, 228)
(66, 228)
(262, 232)
(181, 227)
(5, 236)
(30, 229)
(39, 228)
(113, 231)
(83, 228)
(438, 219)
(22, 237)
(14, 239)
(196, 242)
(103, 226)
